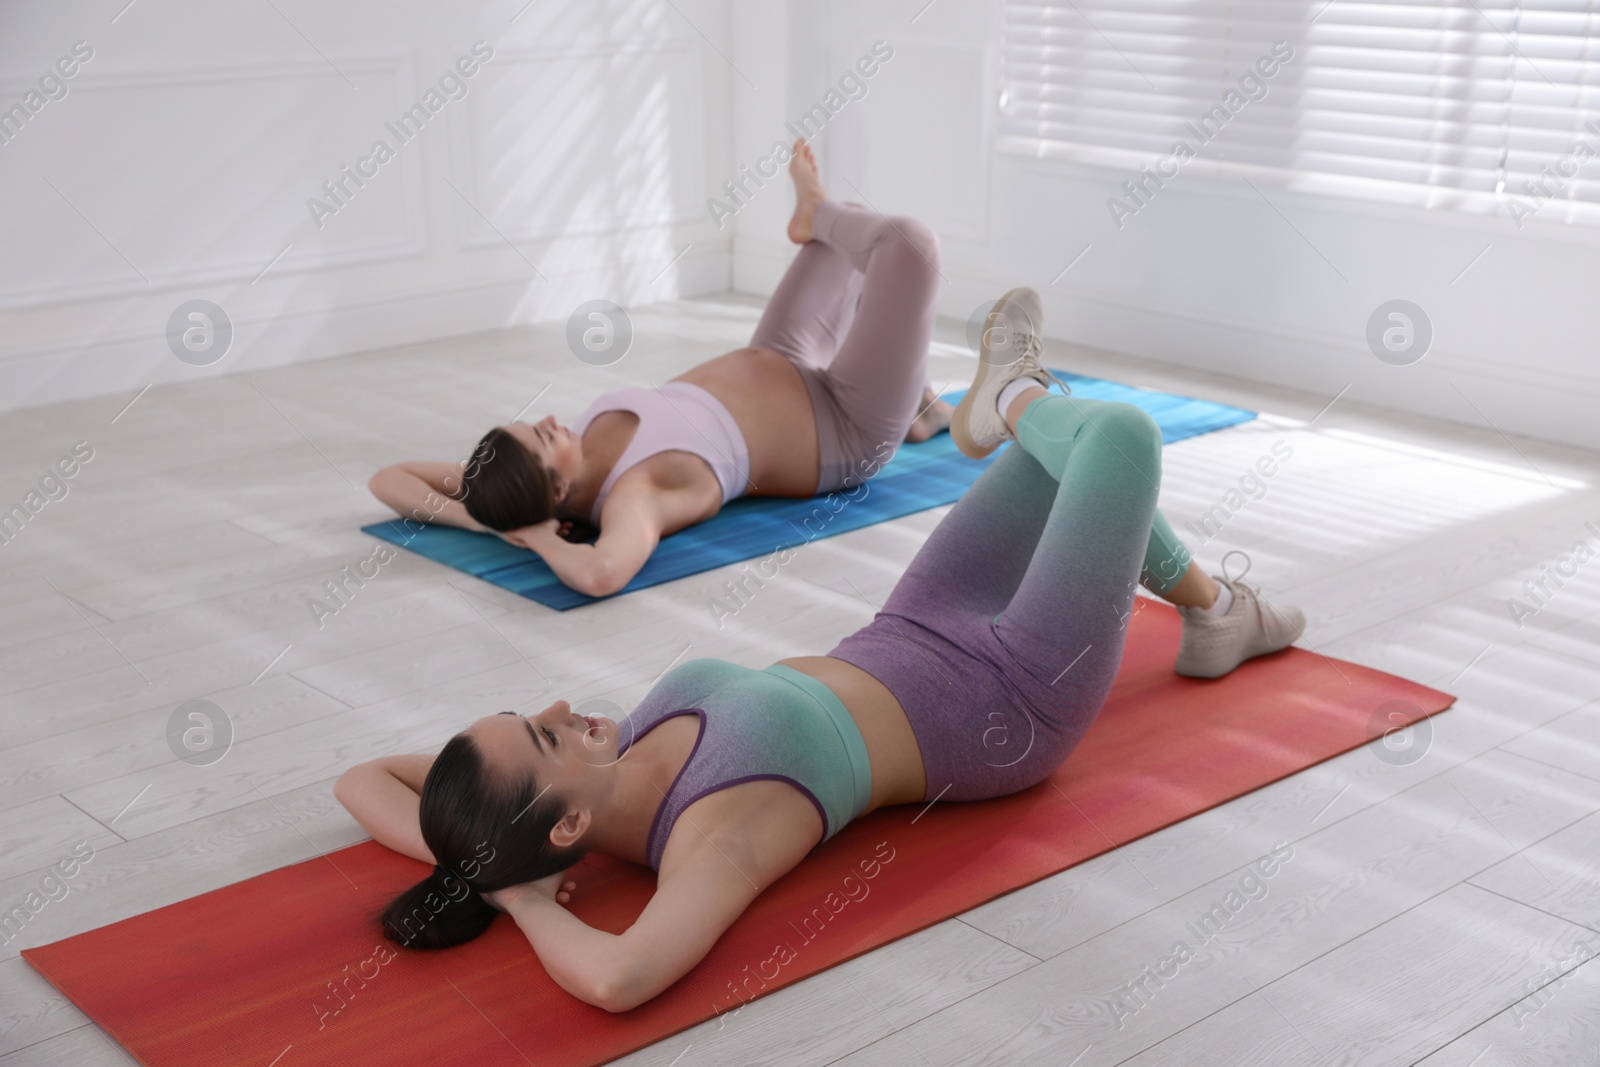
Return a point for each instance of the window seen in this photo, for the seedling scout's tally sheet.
(1480, 105)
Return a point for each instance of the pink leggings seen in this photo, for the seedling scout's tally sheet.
(854, 314)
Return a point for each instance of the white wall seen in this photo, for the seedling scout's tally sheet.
(180, 162)
(1209, 274)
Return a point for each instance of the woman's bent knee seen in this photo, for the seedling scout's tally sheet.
(1133, 429)
(918, 236)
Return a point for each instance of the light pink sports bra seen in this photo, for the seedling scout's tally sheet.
(674, 417)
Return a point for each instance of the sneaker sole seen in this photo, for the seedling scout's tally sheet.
(958, 421)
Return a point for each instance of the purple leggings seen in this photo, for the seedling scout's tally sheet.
(1004, 635)
(864, 367)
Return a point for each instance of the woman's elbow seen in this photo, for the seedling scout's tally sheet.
(342, 788)
(356, 783)
(347, 784)
(607, 999)
(603, 578)
(381, 483)
(619, 992)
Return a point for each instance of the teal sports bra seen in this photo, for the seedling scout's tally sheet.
(770, 724)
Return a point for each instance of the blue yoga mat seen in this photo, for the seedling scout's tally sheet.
(920, 477)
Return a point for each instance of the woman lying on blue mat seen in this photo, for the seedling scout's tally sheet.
(820, 399)
(990, 659)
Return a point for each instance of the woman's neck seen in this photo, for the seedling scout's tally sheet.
(604, 440)
(582, 490)
(645, 772)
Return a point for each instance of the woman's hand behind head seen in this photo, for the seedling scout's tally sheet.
(557, 887)
(535, 536)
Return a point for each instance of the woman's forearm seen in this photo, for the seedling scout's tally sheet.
(412, 497)
(580, 959)
(385, 807)
(452, 513)
(579, 567)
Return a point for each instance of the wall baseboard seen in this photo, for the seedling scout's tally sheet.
(127, 363)
(1495, 396)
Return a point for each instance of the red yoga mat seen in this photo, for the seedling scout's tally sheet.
(287, 965)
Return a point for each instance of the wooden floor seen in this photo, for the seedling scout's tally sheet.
(1439, 909)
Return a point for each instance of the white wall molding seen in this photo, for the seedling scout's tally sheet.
(232, 265)
(186, 150)
(124, 364)
(604, 274)
(472, 230)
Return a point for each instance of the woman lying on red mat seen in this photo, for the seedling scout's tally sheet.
(990, 659)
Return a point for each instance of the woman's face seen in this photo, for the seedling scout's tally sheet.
(569, 754)
(558, 447)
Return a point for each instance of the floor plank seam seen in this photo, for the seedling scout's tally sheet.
(42, 685)
(1495, 1015)
(53, 1037)
(1531, 642)
(103, 826)
(1536, 841)
(1280, 977)
(1300, 840)
(1536, 642)
(995, 937)
(1366, 562)
(245, 876)
(1593, 777)
(104, 723)
(1534, 907)
(898, 1029)
(1464, 881)
(1304, 964)
(1475, 756)
(1416, 609)
(316, 688)
(154, 766)
(212, 692)
(944, 1007)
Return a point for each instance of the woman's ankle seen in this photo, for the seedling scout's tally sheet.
(1194, 589)
(1015, 399)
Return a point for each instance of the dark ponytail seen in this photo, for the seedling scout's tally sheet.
(507, 486)
(437, 912)
(486, 834)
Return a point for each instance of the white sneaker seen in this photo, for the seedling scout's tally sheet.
(1013, 340)
(1213, 645)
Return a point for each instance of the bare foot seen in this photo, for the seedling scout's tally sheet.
(808, 191)
(935, 418)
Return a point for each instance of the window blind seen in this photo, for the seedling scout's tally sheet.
(1476, 104)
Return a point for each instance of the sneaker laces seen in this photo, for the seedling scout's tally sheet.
(1230, 579)
(1030, 361)
(1239, 583)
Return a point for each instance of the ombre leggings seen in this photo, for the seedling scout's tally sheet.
(1004, 635)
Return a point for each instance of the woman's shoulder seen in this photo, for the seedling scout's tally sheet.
(624, 398)
(695, 677)
(682, 688)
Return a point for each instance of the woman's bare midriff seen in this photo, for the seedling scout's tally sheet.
(896, 759)
(768, 399)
